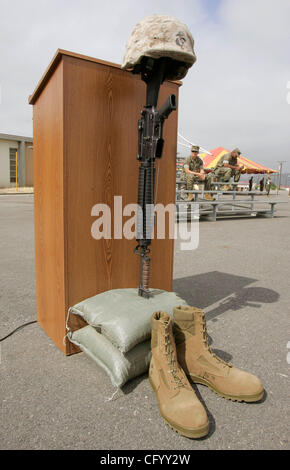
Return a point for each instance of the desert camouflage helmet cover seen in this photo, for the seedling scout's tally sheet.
(159, 36)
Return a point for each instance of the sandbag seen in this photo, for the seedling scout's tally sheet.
(118, 366)
(123, 316)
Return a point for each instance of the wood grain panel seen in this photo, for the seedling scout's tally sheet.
(102, 107)
(58, 56)
(48, 209)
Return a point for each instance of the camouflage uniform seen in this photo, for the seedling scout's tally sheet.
(268, 185)
(250, 183)
(196, 165)
(193, 164)
(224, 174)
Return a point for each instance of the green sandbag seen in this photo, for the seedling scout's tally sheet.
(120, 367)
(123, 316)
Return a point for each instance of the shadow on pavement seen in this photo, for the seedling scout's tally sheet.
(204, 290)
(132, 384)
(248, 297)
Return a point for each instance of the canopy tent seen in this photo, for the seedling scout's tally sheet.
(210, 161)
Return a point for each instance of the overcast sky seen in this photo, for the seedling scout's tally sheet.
(234, 95)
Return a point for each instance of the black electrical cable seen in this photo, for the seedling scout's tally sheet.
(17, 329)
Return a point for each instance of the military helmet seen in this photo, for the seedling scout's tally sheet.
(195, 148)
(159, 36)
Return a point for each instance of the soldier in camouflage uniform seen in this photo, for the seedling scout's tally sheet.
(193, 173)
(268, 185)
(228, 167)
(250, 183)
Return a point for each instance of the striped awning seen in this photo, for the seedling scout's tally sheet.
(210, 161)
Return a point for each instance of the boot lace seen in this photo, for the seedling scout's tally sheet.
(171, 359)
(205, 341)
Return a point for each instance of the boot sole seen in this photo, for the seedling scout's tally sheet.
(193, 434)
(240, 398)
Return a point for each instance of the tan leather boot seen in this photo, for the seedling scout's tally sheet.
(178, 403)
(203, 366)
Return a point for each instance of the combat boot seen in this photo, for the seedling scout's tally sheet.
(177, 401)
(203, 366)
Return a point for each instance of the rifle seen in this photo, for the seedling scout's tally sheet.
(150, 146)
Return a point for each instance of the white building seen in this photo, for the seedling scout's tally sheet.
(16, 161)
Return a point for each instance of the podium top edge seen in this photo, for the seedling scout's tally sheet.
(56, 60)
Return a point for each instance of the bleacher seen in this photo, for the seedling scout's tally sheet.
(226, 203)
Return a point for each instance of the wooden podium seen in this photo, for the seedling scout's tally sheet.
(85, 114)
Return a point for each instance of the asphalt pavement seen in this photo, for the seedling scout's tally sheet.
(239, 275)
